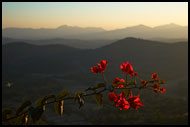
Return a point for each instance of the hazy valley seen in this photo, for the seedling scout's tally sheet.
(51, 68)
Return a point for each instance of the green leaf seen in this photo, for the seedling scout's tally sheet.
(63, 94)
(23, 106)
(132, 83)
(79, 93)
(100, 85)
(141, 86)
(126, 92)
(58, 107)
(38, 102)
(98, 98)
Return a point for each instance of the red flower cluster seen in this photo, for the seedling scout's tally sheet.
(154, 76)
(134, 101)
(101, 67)
(118, 80)
(143, 82)
(119, 100)
(157, 88)
(162, 90)
(128, 68)
(124, 104)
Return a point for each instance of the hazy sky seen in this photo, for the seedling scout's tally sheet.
(108, 15)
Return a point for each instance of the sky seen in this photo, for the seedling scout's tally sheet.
(108, 15)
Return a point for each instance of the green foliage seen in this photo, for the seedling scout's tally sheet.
(132, 83)
(77, 94)
(38, 102)
(141, 86)
(126, 92)
(63, 94)
(98, 98)
(58, 107)
(23, 106)
(100, 85)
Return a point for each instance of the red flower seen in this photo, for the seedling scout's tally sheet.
(154, 76)
(121, 102)
(116, 80)
(124, 105)
(162, 90)
(120, 86)
(94, 69)
(123, 66)
(127, 68)
(143, 82)
(156, 90)
(156, 85)
(104, 63)
(131, 74)
(101, 67)
(112, 96)
(136, 73)
(134, 101)
(157, 79)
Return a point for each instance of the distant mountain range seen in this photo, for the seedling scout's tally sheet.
(169, 31)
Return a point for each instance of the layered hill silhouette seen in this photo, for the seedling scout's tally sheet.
(45, 69)
(53, 59)
(76, 43)
(168, 31)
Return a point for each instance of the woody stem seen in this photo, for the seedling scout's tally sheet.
(104, 78)
(126, 78)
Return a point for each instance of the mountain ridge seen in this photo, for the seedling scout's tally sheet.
(89, 33)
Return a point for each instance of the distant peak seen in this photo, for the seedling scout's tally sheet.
(62, 26)
(168, 25)
(141, 25)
